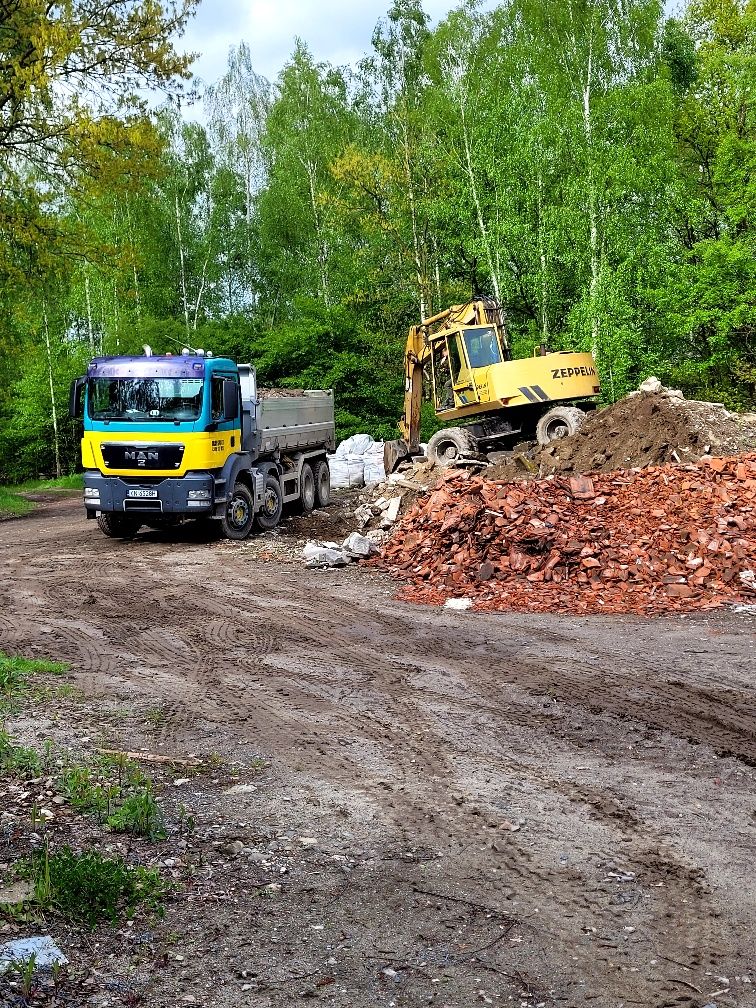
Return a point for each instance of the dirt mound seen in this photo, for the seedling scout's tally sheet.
(645, 541)
(645, 428)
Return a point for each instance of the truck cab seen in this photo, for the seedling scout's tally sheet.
(172, 437)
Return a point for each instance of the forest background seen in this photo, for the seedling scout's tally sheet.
(590, 163)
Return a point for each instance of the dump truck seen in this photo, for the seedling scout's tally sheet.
(491, 398)
(190, 436)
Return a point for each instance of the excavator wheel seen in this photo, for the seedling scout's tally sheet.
(559, 422)
(447, 445)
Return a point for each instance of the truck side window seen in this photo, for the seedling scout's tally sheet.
(216, 398)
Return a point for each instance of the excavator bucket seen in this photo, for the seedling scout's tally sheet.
(394, 452)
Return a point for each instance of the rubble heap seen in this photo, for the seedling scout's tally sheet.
(649, 427)
(670, 537)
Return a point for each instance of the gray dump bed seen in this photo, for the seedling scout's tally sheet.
(286, 422)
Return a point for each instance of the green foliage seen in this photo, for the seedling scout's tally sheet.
(139, 815)
(12, 504)
(589, 162)
(89, 886)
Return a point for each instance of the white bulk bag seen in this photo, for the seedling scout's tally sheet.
(347, 473)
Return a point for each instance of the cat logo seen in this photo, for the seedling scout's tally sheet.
(141, 458)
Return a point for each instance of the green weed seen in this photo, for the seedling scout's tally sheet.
(90, 886)
(18, 757)
(74, 481)
(86, 792)
(139, 815)
(24, 971)
(116, 791)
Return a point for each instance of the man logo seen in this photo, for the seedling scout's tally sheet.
(141, 458)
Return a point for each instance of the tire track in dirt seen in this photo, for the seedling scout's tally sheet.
(415, 707)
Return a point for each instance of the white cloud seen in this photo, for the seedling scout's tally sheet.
(336, 31)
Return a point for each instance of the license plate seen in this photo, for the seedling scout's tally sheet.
(143, 493)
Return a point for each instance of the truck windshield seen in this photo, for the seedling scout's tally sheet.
(482, 346)
(132, 400)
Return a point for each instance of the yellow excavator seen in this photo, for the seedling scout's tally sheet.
(477, 384)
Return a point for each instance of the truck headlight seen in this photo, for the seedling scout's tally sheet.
(198, 495)
(92, 492)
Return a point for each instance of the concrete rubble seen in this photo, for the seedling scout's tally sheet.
(329, 554)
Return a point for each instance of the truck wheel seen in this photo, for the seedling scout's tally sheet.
(447, 445)
(307, 488)
(239, 514)
(322, 484)
(117, 526)
(559, 422)
(269, 514)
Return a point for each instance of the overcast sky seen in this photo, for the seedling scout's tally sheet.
(336, 31)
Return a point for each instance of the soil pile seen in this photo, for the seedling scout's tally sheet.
(645, 428)
(650, 540)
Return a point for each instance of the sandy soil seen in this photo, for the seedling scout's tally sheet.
(459, 808)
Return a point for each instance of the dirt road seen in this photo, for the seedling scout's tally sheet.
(465, 808)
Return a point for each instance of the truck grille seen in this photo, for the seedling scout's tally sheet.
(142, 456)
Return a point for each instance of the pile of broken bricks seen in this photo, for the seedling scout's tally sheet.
(663, 538)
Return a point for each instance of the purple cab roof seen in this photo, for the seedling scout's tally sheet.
(180, 366)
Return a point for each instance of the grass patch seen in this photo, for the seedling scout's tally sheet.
(72, 482)
(15, 671)
(89, 886)
(12, 504)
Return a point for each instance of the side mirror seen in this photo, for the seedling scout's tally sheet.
(230, 400)
(75, 397)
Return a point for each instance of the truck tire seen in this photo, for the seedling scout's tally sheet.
(239, 515)
(447, 445)
(117, 526)
(269, 514)
(322, 484)
(307, 495)
(559, 422)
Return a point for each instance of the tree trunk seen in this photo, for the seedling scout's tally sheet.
(182, 266)
(54, 409)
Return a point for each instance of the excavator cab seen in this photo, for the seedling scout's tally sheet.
(455, 356)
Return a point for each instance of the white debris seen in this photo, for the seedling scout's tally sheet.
(44, 950)
(458, 603)
(376, 536)
(748, 579)
(358, 547)
(391, 512)
(319, 554)
(650, 385)
(363, 514)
